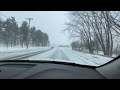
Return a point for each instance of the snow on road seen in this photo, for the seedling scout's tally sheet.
(90, 59)
(68, 55)
(58, 54)
(55, 54)
(13, 51)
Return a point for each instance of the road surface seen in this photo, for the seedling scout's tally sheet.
(68, 55)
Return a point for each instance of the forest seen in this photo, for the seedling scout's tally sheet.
(11, 34)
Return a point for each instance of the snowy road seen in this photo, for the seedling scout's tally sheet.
(68, 55)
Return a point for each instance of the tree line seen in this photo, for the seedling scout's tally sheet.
(13, 35)
(96, 30)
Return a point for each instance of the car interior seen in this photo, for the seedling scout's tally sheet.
(25, 69)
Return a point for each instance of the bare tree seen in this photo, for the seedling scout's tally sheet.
(93, 27)
(80, 27)
(102, 28)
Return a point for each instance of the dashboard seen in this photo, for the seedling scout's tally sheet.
(47, 71)
(58, 70)
(111, 70)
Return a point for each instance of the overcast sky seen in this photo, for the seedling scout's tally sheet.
(51, 22)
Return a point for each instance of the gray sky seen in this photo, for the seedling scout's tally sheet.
(51, 22)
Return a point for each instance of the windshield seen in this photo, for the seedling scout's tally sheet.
(82, 37)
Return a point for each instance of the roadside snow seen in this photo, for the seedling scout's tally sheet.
(13, 51)
(88, 58)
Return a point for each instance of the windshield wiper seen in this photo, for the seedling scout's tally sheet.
(46, 61)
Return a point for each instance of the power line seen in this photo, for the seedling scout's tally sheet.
(17, 22)
(3, 15)
(7, 17)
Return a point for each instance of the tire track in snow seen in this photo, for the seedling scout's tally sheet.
(81, 58)
(58, 54)
(86, 58)
(90, 58)
(75, 58)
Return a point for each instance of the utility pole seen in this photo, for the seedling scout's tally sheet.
(29, 19)
(43, 41)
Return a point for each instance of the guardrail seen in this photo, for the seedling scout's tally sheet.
(18, 57)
